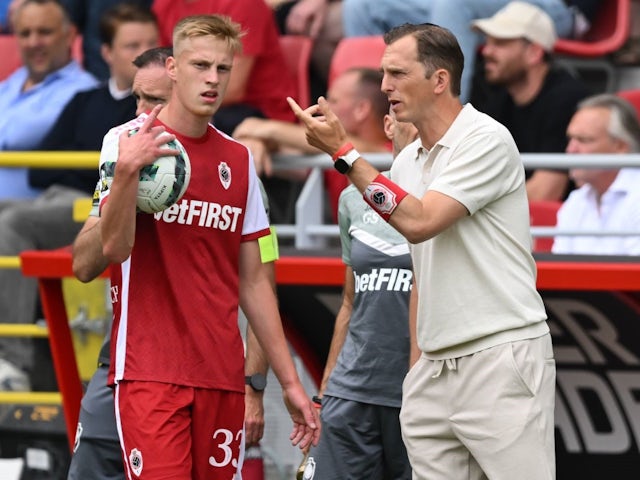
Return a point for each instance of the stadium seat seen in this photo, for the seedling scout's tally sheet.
(351, 52)
(297, 53)
(633, 97)
(356, 52)
(543, 213)
(11, 58)
(608, 33)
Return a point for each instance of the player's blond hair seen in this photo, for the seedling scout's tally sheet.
(219, 26)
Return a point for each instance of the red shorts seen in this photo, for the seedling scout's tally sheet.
(175, 432)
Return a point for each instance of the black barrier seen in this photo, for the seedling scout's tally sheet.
(596, 337)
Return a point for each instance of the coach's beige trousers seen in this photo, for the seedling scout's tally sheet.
(488, 415)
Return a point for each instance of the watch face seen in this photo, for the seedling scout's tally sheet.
(258, 382)
(341, 166)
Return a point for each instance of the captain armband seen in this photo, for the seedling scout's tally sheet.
(383, 195)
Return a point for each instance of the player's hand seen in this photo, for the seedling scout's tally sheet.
(306, 422)
(323, 129)
(145, 146)
(253, 416)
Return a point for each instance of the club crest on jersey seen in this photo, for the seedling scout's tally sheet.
(135, 461)
(225, 175)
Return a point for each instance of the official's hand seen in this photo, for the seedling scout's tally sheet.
(306, 422)
(322, 127)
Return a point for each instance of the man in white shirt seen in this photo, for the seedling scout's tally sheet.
(608, 199)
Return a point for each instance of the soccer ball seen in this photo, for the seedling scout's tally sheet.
(164, 181)
(161, 183)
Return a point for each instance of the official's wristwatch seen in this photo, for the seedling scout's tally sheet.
(344, 162)
(257, 381)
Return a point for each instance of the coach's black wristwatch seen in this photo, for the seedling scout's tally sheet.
(257, 381)
(345, 157)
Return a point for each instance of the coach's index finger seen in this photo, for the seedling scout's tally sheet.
(297, 109)
(305, 116)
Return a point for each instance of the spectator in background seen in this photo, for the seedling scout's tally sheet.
(86, 14)
(322, 21)
(607, 199)
(356, 98)
(369, 353)
(46, 221)
(260, 77)
(532, 98)
(365, 17)
(32, 97)
(126, 30)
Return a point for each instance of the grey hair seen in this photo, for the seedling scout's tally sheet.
(623, 124)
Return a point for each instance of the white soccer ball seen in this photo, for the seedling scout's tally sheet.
(161, 184)
(164, 182)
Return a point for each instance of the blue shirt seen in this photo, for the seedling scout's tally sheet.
(28, 116)
(4, 15)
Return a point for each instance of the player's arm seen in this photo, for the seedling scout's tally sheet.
(88, 260)
(118, 214)
(417, 219)
(340, 328)
(255, 362)
(259, 304)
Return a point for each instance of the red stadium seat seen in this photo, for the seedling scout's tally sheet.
(543, 213)
(610, 30)
(351, 52)
(11, 59)
(608, 33)
(356, 52)
(297, 53)
(633, 97)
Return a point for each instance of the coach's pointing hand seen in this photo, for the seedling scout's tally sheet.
(323, 129)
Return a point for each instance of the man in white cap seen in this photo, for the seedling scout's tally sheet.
(532, 98)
